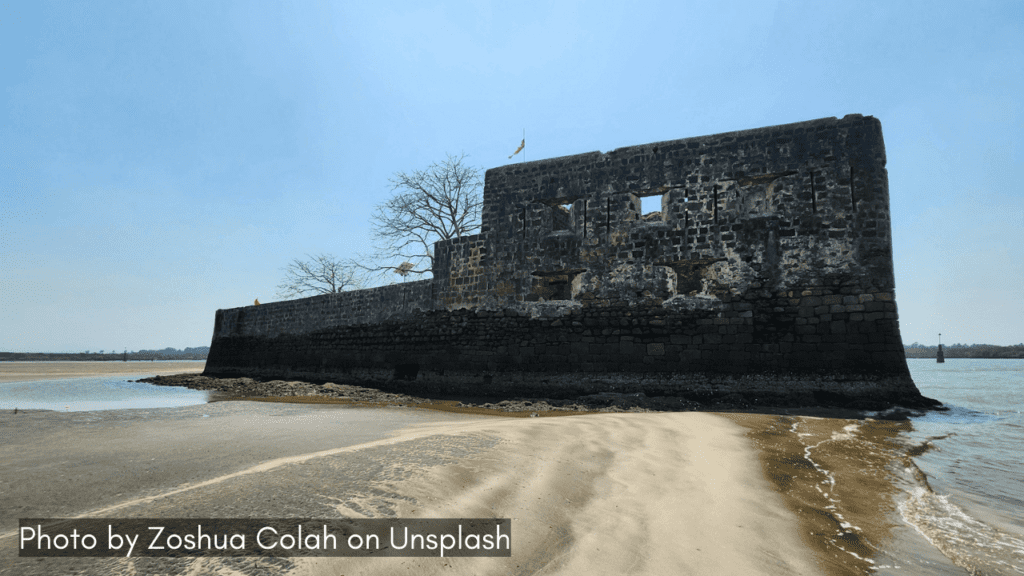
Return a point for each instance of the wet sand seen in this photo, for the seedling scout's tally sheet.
(32, 371)
(678, 493)
(225, 459)
(626, 493)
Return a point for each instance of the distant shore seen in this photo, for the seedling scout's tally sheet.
(989, 351)
(985, 351)
(30, 372)
(144, 355)
(980, 351)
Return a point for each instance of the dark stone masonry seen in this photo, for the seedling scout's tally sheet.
(767, 273)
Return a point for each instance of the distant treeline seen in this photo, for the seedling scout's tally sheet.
(197, 353)
(916, 350)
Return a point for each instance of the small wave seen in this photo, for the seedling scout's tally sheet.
(970, 543)
(928, 444)
(956, 415)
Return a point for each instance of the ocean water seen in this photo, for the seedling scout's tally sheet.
(965, 477)
(100, 393)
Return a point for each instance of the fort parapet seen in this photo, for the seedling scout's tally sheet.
(767, 272)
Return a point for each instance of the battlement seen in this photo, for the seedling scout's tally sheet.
(770, 256)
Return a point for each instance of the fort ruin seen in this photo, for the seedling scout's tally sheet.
(767, 272)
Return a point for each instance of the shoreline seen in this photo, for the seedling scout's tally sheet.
(768, 443)
(244, 388)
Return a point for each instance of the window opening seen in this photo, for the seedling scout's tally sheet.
(560, 217)
(550, 286)
(650, 208)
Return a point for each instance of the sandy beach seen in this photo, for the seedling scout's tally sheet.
(604, 494)
(32, 371)
(607, 494)
(612, 493)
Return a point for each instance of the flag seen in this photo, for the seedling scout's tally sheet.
(520, 149)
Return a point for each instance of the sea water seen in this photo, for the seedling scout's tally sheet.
(967, 492)
(95, 393)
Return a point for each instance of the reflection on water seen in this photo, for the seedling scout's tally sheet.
(103, 393)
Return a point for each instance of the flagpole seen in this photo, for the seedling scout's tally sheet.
(524, 145)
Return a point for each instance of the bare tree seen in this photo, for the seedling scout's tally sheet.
(320, 274)
(438, 203)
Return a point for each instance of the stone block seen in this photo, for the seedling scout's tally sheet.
(691, 355)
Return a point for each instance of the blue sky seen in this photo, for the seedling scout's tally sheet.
(161, 160)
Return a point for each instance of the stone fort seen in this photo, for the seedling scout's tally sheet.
(767, 272)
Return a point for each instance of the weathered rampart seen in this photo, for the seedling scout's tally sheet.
(767, 272)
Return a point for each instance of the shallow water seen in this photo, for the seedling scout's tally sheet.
(966, 482)
(99, 393)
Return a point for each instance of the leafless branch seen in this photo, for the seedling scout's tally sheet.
(320, 274)
(438, 203)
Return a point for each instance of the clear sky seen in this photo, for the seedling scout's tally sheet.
(161, 160)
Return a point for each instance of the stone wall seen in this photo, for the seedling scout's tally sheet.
(326, 311)
(767, 270)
